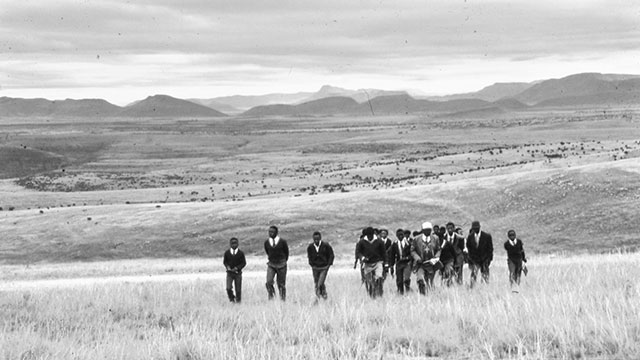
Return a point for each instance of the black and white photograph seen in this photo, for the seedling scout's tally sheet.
(438, 179)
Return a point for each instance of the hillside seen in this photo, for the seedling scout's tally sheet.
(325, 106)
(68, 107)
(588, 86)
(167, 106)
(490, 93)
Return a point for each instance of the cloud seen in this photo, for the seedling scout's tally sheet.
(73, 43)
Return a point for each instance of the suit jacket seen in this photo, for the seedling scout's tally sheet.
(277, 255)
(371, 251)
(397, 256)
(452, 249)
(237, 261)
(321, 258)
(482, 251)
(515, 253)
(421, 251)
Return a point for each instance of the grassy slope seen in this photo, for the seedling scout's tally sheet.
(583, 307)
(552, 209)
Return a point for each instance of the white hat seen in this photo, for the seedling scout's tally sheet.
(427, 225)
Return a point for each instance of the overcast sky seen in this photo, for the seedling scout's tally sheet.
(126, 50)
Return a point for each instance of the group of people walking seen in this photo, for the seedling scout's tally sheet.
(422, 254)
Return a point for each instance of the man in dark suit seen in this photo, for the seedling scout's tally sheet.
(480, 251)
(320, 255)
(425, 251)
(234, 261)
(400, 256)
(452, 255)
(515, 257)
(278, 254)
(373, 257)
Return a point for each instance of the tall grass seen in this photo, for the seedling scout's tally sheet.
(585, 307)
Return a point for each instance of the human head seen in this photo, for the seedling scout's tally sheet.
(407, 234)
(400, 234)
(273, 231)
(317, 237)
(427, 228)
(511, 234)
(451, 228)
(233, 243)
(368, 233)
(475, 226)
(384, 233)
(459, 230)
(436, 229)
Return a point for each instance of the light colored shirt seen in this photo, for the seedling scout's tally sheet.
(274, 242)
(317, 246)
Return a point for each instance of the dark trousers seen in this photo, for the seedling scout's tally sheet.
(319, 277)
(424, 277)
(234, 280)
(515, 271)
(458, 265)
(483, 268)
(281, 274)
(403, 277)
(448, 273)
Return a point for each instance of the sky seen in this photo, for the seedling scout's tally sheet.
(124, 51)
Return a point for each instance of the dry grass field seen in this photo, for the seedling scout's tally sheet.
(97, 199)
(581, 307)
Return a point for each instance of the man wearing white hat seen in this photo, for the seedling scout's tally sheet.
(425, 251)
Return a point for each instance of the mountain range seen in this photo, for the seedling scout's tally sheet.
(579, 90)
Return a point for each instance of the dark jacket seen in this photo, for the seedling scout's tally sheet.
(515, 252)
(321, 258)
(277, 255)
(481, 252)
(396, 256)
(452, 249)
(421, 251)
(236, 261)
(372, 252)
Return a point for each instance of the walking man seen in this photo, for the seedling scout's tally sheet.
(370, 250)
(515, 257)
(480, 250)
(234, 261)
(320, 256)
(425, 251)
(452, 255)
(277, 254)
(400, 256)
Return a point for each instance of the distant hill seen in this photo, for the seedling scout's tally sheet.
(491, 93)
(246, 102)
(43, 107)
(164, 106)
(225, 108)
(360, 95)
(381, 105)
(587, 87)
(326, 106)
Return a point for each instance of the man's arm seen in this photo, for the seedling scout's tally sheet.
(225, 260)
(243, 261)
(414, 251)
(286, 251)
(330, 254)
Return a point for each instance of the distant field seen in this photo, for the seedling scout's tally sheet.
(162, 188)
(581, 307)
